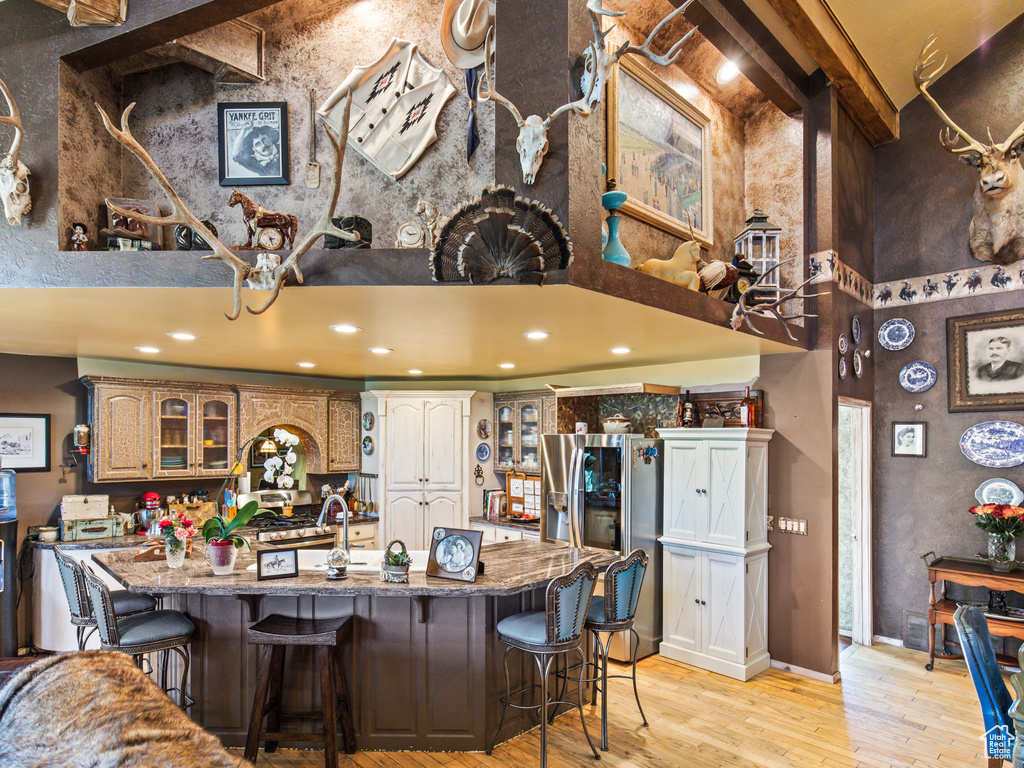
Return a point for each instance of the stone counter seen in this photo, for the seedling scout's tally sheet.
(504, 523)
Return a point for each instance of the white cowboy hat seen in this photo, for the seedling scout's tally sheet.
(464, 25)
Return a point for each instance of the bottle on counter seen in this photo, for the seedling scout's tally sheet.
(691, 414)
(750, 411)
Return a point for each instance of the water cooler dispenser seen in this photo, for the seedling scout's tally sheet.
(8, 558)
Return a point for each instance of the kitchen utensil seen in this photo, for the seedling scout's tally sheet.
(616, 425)
(361, 504)
(312, 167)
(371, 506)
(149, 516)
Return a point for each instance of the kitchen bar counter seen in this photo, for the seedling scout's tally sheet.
(503, 522)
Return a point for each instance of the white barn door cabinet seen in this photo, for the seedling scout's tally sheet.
(716, 549)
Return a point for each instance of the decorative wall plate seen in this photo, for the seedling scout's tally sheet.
(999, 491)
(483, 429)
(896, 334)
(918, 376)
(858, 363)
(483, 452)
(842, 367)
(368, 445)
(994, 444)
(368, 421)
(855, 329)
(844, 344)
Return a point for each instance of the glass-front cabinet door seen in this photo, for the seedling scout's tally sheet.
(528, 455)
(215, 435)
(505, 437)
(173, 454)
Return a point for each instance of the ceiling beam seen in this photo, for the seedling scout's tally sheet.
(84, 13)
(820, 32)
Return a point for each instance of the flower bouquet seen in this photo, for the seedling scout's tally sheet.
(1003, 523)
(176, 531)
(278, 467)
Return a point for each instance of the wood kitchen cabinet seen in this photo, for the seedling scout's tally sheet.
(120, 413)
(520, 418)
(343, 453)
(193, 433)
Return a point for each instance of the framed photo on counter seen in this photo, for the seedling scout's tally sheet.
(277, 564)
(25, 441)
(986, 361)
(454, 554)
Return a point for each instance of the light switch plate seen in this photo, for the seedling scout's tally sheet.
(793, 525)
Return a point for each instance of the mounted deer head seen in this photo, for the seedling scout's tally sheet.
(14, 175)
(997, 229)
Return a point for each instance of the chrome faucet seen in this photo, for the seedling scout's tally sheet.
(344, 517)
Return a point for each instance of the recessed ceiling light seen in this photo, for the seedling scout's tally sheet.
(415, 371)
(380, 350)
(727, 73)
(506, 365)
(148, 350)
(536, 334)
(620, 350)
(306, 365)
(343, 328)
(182, 336)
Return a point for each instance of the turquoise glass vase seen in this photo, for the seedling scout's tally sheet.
(614, 251)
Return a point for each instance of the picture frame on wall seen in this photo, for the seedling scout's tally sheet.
(252, 143)
(25, 442)
(985, 354)
(910, 438)
(658, 152)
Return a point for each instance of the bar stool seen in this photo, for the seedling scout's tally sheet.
(272, 634)
(546, 635)
(72, 577)
(615, 611)
(141, 633)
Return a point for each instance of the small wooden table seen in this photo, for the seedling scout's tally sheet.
(969, 574)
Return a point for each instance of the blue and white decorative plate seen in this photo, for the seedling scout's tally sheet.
(918, 376)
(999, 491)
(994, 444)
(858, 363)
(483, 452)
(844, 344)
(855, 329)
(842, 367)
(896, 334)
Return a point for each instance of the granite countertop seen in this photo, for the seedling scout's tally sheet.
(511, 568)
(534, 527)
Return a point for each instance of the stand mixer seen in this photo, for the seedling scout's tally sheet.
(150, 512)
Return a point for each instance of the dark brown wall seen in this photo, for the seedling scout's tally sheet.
(922, 212)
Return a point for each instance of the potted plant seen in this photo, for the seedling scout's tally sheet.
(222, 543)
(395, 567)
(1003, 523)
(176, 531)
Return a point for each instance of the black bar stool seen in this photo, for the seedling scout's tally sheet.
(546, 635)
(72, 577)
(272, 634)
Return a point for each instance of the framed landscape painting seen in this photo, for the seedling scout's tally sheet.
(25, 442)
(658, 153)
(986, 361)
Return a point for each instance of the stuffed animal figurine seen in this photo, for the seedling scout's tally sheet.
(681, 269)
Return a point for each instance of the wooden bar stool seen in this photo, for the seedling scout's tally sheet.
(272, 634)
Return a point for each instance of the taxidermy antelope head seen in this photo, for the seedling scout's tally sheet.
(13, 173)
(997, 229)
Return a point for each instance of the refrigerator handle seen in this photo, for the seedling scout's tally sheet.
(575, 495)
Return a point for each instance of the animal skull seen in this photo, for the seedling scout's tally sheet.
(532, 145)
(14, 174)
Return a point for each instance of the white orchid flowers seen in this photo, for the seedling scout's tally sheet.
(279, 468)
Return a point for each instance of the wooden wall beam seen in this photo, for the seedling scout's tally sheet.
(84, 13)
(820, 32)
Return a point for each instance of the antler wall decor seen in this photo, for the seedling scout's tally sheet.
(742, 313)
(14, 174)
(267, 273)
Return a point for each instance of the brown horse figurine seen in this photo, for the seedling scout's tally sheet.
(256, 216)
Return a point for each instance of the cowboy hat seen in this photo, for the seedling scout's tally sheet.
(464, 25)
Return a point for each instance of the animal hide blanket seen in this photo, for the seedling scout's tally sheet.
(96, 709)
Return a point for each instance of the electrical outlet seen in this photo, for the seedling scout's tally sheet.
(793, 525)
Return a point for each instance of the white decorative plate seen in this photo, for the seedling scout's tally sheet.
(842, 367)
(896, 334)
(855, 329)
(843, 344)
(918, 376)
(858, 363)
(994, 444)
(998, 491)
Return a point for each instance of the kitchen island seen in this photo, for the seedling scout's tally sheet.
(424, 661)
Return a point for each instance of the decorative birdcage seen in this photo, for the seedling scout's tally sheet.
(758, 244)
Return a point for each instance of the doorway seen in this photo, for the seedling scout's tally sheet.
(854, 524)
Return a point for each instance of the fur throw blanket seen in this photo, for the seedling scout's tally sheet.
(96, 709)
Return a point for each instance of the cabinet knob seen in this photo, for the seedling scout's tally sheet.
(200, 463)
(144, 465)
(426, 479)
(702, 602)
(696, 600)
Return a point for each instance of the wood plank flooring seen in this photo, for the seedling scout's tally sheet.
(888, 712)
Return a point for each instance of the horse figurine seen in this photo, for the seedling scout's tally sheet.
(257, 217)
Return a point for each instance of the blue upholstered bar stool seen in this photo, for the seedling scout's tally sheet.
(73, 578)
(141, 633)
(546, 634)
(615, 612)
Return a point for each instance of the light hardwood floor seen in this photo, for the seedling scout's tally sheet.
(888, 712)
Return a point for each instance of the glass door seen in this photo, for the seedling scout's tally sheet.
(215, 436)
(174, 457)
(529, 436)
(602, 497)
(505, 439)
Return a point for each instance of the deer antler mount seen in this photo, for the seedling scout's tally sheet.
(742, 313)
(14, 186)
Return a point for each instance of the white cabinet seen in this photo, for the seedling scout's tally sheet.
(412, 515)
(493, 534)
(716, 549)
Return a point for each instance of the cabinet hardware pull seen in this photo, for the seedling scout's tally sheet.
(696, 600)
(144, 465)
(702, 602)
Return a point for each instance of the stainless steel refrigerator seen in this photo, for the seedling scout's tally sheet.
(605, 492)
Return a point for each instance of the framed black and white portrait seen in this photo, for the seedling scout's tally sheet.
(25, 442)
(454, 553)
(909, 438)
(986, 361)
(277, 564)
(252, 140)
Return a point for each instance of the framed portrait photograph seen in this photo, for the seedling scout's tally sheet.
(986, 361)
(454, 554)
(910, 438)
(252, 143)
(25, 442)
(277, 564)
(658, 153)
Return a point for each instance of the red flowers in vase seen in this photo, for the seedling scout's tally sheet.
(1000, 519)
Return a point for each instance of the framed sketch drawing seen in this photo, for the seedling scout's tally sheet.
(25, 442)
(658, 153)
(252, 143)
(277, 564)
(910, 438)
(454, 553)
(986, 361)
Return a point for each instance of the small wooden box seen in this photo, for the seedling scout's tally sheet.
(84, 507)
(81, 530)
(200, 511)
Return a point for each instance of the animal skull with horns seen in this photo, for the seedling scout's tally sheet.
(14, 174)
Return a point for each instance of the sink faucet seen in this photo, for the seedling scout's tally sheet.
(344, 517)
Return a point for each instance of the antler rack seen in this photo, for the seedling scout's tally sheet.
(11, 158)
(181, 215)
(742, 313)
